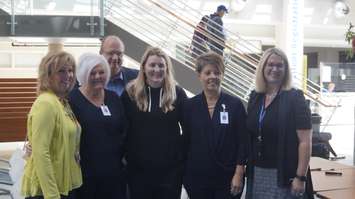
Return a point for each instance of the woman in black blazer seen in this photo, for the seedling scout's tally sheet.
(279, 123)
(214, 128)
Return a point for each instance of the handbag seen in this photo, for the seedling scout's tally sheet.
(17, 163)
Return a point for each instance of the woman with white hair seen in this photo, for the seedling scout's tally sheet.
(153, 105)
(101, 115)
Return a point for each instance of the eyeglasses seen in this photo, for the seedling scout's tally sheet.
(276, 65)
(114, 52)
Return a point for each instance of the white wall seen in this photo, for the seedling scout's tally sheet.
(24, 61)
(27, 64)
(322, 28)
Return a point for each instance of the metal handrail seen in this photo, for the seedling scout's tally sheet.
(186, 21)
(4, 5)
(234, 70)
(309, 87)
(310, 84)
(131, 23)
(197, 15)
(239, 65)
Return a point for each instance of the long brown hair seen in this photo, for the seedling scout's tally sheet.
(137, 88)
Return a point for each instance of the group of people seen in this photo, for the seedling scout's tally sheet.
(121, 126)
(209, 34)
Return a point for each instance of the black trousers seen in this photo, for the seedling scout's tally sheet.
(147, 184)
(108, 187)
(71, 195)
(196, 192)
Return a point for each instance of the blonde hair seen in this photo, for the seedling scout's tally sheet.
(50, 64)
(137, 88)
(260, 82)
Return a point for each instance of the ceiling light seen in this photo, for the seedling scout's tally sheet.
(51, 5)
(238, 5)
(341, 9)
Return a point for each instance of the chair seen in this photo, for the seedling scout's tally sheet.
(5, 179)
(11, 174)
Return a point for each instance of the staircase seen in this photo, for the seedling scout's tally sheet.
(168, 24)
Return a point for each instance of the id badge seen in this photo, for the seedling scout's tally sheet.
(105, 110)
(224, 117)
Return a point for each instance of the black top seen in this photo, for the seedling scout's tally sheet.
(215, 26)
(154, 140)
(269, 127)
(101, 144)
(288, 113)
(199, 38)
(214, 147)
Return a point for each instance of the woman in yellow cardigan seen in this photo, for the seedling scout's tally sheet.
(52, 171)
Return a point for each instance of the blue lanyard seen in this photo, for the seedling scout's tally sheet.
(261, 118)
(261, 115)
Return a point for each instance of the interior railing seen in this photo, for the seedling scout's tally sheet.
(170, 25)
(311, 89)
(159, 29)
(19, 6)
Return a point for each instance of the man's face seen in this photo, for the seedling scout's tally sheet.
(113, 51)
(221, 13)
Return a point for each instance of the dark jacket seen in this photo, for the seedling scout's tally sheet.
(287, 143)
(119, 81)
(215, 25)
(213, 148)
(129, 74)
(154, 141)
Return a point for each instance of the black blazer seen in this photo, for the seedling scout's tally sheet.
(287, 156)
(213, 149)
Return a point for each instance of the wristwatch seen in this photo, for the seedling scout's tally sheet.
(301, 178)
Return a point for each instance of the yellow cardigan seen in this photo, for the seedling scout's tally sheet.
(51, 170)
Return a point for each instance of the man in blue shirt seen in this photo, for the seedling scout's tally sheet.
(112, 48)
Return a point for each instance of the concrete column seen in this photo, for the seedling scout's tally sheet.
(289, 36)
(55, 47)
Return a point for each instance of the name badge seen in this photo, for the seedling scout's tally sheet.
(105, 110)
(224, 117)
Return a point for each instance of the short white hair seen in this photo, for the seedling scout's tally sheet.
(87, 62)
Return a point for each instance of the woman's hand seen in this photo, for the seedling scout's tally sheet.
(77, 157)
(237, 180)
(27, 151)
(298, 187)
(236, 184)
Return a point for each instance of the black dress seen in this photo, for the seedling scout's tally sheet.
(154, 148)
(101, 145)
(214, 146)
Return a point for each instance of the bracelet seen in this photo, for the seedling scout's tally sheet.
(301, 178)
